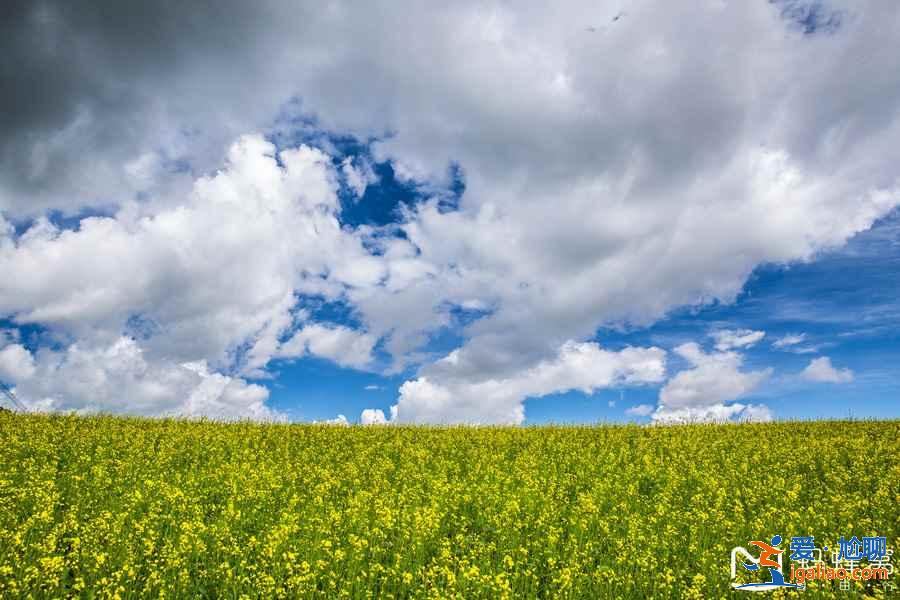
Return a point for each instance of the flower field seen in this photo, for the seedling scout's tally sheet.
(109, 507)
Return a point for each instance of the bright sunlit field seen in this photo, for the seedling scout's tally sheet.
(112, 507)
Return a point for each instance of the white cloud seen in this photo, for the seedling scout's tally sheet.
(206, 277)
(585, 367)
(222, 397)
(712, 379)
(640, 410)
(718, 413)
(346, 347)
(118, 378)
(729, 339)
(805, 349)
(706, 390)
(338, 420)
(791, 339)
(358, 176)
(757, 413)
(821, 370)
(794, 342)
(372, 387)
(375, 416)
(16, 363)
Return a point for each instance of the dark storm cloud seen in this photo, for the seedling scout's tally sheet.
(90, 86)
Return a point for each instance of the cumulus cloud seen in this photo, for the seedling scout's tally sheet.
(694, 168)
(707, 390)
(340, 420)
(117, 378)
(213, 279)
(343, 345)
(16, 363)
(375, 416)
(640, 410)
(729, 339)
(585, 367)
(821, 370)
(204, 276)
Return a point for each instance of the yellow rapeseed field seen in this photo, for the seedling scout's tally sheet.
(122, 508)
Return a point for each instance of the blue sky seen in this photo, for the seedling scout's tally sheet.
(479, 213)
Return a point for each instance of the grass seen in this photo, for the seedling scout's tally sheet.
(113, 507)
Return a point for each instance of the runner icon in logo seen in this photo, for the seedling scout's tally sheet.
(767, 551)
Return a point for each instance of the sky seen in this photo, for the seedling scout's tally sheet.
(484, 213)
